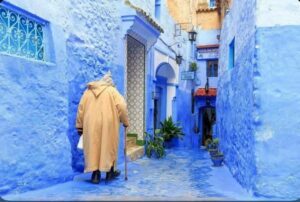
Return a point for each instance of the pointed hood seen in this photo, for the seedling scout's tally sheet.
(97, 87)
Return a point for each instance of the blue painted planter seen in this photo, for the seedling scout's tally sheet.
(213, 152)
(168, 144)
(171, 143)
(217, 160)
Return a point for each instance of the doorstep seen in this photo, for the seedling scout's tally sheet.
(135, 152)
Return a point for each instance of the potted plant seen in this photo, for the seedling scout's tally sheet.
(154, 145)
(169, 130)
(217, 159)
(207, 144)
(193, 66)
(213, 147)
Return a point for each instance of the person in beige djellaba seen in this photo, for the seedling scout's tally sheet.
(100, 111)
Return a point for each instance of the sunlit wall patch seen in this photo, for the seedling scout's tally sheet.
(22, 34)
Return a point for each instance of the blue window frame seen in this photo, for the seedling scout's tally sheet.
(212, 3)
(21, 35)
(231, 54)
(157, 9)
(212, 68)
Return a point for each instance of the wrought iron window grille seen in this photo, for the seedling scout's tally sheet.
(20, 35)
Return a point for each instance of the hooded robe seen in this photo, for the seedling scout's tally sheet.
(100, 111)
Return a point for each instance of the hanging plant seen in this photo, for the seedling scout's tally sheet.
(193, 66)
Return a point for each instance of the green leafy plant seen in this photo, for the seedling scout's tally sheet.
(215, 142)
(193, 66)
(213, 147)
(208, 143)
(154, 145)
(170, 130)
(218, 154)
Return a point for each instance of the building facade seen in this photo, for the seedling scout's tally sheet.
(50, 50)
(257, 98)
(205, 17)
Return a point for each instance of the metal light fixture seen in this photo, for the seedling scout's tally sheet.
(192, 35)
(178, 59)
(207, 86)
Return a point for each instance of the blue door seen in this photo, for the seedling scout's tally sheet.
(157, 108)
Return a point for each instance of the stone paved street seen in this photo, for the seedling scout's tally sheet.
(181, 175)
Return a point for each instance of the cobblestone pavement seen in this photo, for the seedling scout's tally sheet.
(181, 175)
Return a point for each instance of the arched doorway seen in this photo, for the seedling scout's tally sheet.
(135, 91)
(165, 91)
(207, 118)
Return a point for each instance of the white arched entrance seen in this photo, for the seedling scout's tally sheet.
(165, 92)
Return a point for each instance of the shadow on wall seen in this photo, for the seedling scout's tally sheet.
(85, 66)
(185, 118)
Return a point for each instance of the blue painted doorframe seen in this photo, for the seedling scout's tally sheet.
(161, 96)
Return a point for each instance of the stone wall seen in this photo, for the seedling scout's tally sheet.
(236, 99)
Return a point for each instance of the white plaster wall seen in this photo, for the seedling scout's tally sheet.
(206, 37)
(171, 93)
(160, 58)
(201, 76)
(277, 12)
(146, 5)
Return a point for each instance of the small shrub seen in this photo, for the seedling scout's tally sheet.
(207, 143)
(154, 145)
(193, 66)
(170, 130)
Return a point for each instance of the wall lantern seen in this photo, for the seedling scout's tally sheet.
(192, 35)
(207, 86)
(178, 59)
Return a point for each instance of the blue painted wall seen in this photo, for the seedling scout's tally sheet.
(277, 129)
(235, 96)
(39, 103)
(33, 125)
(184, 115)
(258, 101)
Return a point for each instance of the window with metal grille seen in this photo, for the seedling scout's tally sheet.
(212, 68)
(21, 35)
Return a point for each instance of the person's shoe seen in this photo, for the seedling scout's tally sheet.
(96, 177)
(109, 177)
(112, 174)
(117, 173)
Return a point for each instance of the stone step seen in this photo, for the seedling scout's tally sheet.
(131, 141)
(135, 152)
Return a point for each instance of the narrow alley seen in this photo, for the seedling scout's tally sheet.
(181, 175)
(200, 97)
